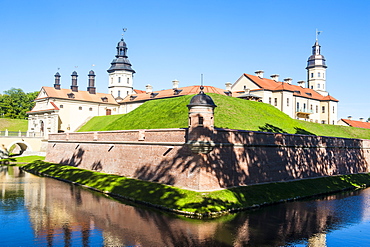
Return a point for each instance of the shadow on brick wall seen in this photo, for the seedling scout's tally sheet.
(246, 157)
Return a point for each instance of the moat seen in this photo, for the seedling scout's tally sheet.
(39, 211)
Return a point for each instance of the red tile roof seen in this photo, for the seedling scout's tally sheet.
(51, 92)
(169, 93)
(272, 85)
(357, 124)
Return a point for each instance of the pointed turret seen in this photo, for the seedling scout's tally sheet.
(121, 73)
(316, 70)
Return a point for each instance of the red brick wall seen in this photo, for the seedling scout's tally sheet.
(238, 158)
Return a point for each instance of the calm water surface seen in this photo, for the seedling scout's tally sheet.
(38, 211)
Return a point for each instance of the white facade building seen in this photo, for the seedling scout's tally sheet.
(312, 103)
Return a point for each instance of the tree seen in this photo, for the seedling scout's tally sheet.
(14, 103)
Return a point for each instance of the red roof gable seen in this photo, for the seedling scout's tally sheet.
(272, 85)
(357, 124)
(168, 93)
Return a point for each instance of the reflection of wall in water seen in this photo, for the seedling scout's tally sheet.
(57, 207)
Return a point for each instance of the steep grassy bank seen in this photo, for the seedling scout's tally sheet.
(13, 124)
(232, 113)
(198, 203)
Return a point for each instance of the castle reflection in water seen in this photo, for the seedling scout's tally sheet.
(65, 213)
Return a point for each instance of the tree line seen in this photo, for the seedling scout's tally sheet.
(14, 103)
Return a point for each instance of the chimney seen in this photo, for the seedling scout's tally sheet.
(175, 84)
(149, 88)
(301, 83)
(259, 73)
(74, 86)
(361, 119)
(57, 81)
(288, 80)
(275, 77)
(349, 117)
(91, 87)
(228, 86)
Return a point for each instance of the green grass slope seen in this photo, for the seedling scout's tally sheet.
(199, 203)
(13, 124)
(232, 113)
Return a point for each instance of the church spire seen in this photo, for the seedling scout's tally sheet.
(316, 69)
(120, 73)
(121, 61)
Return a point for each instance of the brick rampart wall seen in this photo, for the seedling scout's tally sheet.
(238, 157)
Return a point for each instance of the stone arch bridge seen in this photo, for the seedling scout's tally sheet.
(23, 144)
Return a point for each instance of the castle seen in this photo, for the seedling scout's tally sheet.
(65, 110)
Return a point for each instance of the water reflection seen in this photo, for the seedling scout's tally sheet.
(62, 214)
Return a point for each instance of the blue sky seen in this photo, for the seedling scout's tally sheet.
(181, 40)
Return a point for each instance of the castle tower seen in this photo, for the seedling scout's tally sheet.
(121, 73)
(316, 70)
(201, 123)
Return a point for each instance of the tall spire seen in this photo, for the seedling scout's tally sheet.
(316, 69)
(121, 61)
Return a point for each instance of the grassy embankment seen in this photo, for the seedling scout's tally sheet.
(13, 124)
(198, 203)
(232, 113)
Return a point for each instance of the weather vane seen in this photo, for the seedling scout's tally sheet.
(317, 33)
(124, 30)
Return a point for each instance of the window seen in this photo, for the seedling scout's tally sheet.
(311, 75)
(318, 74)
(71, 95)
(270, 100)
(119, 93)
(318, 85)
(323, 121)
(323, 109)
(90, 109)
(119, 79)
(333, 122)
(80, 108)
(61, 106)
(311, 108)
(333, 109)
(317, 109)
(128, 80)
(200, 121)
(111, 80)
(297, 106)
(287, 102)
(275, 101)
(311, 87)
(304, 106)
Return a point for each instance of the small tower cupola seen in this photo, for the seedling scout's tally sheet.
(91, 86)
(74, 86)
(57, 81)
(316, 70)
(120, 73)
(201, 123)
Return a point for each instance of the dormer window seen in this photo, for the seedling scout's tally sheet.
(71, 95)
(177, 91)
(132, 97)
(104, 99)
(152, 95)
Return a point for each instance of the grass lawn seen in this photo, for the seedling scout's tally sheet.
(232, 113)
(21, 160)
(13, 124)
(199, 203)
